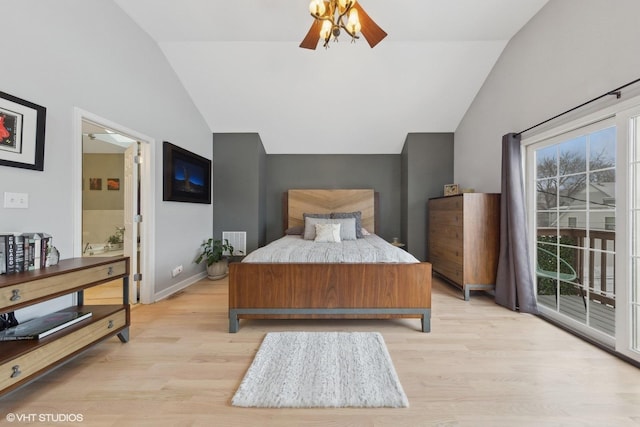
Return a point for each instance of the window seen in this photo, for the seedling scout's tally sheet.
(583, 196)
(610, 223)
(631, 314)
(573, 180)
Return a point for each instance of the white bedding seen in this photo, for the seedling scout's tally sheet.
(292, 249)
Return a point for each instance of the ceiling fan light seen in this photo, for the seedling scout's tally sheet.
(325, 31)
(353, 24)
(343, 5)
(333, 16)
(317, 7)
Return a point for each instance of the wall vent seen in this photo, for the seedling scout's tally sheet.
(237, 239)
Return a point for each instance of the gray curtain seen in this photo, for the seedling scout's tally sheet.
(514, 283)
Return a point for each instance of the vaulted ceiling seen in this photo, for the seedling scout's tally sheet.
(240, 62)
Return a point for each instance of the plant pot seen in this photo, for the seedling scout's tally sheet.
(218, 270)
(116, 246)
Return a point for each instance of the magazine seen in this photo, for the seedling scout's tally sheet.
(45, 325)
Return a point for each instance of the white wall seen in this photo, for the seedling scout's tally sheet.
(570, 52)
(88, 54)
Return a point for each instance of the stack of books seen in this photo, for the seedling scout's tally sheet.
(23, 251)
(43, 326)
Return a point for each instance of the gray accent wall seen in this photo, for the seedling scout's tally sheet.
(248, 184)
(380, 172)
(427, 165)
(239, 164)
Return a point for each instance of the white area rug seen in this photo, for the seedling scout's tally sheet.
(321, 369)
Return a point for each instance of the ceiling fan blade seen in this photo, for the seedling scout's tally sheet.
(370, 30)
(310, 41)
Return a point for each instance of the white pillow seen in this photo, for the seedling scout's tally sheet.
(347, 227)
(327, 233)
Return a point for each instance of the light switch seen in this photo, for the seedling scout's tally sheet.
(16, 200)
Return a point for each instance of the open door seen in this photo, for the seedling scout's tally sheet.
(132, 218)
(137, 175)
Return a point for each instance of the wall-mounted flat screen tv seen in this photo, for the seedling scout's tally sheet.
(186, 175)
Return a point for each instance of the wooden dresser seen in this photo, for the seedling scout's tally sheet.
(464, 239)
(24, 360)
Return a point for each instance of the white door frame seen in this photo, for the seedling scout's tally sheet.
(147, 197)
(625, 199)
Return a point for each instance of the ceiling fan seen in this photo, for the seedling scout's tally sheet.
(329, 20)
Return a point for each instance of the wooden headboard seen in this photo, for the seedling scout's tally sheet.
(298, 202)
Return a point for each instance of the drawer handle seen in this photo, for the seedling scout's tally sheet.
(110, 324)
(110, 271)
(15, 295)
(16, 371)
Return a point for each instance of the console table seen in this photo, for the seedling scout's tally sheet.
(24, 361)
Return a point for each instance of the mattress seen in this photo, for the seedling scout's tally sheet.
(295, 249)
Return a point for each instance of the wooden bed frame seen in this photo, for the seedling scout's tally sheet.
(329, 291)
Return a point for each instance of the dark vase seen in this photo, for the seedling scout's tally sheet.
(11, 320)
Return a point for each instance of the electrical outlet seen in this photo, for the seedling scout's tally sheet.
(16, 200)
(176, 271)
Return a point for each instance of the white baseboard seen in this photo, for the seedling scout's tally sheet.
(179, 286)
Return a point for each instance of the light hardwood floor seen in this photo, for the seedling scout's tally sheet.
(481, 365)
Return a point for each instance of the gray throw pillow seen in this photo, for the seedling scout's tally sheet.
(347, 227)
(357, 215)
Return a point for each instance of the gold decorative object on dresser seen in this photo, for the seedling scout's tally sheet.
(464, 239)
(24, 360)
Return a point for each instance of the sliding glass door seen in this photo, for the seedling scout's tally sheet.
(628, 337)
(583, 198)
(575, 227)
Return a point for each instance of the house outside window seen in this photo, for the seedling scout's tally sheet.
(610, 223)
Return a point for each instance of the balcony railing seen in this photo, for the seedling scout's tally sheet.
(600, 245)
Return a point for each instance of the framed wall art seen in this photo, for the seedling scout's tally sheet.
(186, 175)
(451, 190)
(113, 184)
(95, 184)
(22, 128)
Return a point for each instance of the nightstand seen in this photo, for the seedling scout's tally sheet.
(397, 243)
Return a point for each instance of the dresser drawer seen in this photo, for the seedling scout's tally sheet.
(45, 355)
(451, 203)
(442, 253)
(32, 290)
(446, 233)
(449, 269)
(440, 218)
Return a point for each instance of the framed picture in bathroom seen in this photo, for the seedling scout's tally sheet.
(95, 184)
(113, 184)
(22, 125)
(186, 175)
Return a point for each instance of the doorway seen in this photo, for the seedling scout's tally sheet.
(114, 196)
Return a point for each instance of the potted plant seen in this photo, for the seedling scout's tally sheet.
(216, 253)
(116, 240)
